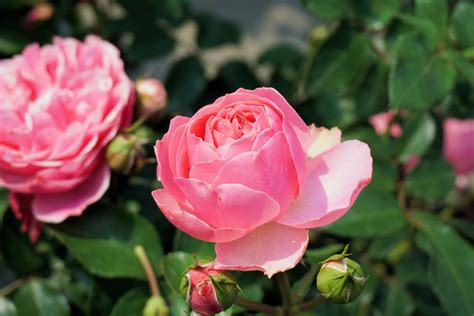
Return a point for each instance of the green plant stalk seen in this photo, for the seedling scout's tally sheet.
(315, 302)
(256, 306)
(150, 274)
(285, 289)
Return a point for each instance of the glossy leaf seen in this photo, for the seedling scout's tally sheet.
(131, 303)
(174, 266)
(431, 180)
(463, 23)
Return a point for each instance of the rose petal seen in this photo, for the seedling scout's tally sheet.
(271, 248)
(56, 207)
(229, 205)
(334, 181)
(189, 223)
(323, 139)
(458, 146)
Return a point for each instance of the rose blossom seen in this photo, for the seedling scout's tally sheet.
(246, 173)
(459, 144)
(383, 122)
(60, 105)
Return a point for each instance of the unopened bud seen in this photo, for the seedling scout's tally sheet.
(340, 279)
(156, 306)
(151, 95)
(208, 291)
(40, 12)
(125, 154)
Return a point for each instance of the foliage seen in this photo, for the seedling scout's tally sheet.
(411, 232)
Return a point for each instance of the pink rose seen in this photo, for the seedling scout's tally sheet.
(383, 122)
(60, 106)
(247, 173)
(459, 144)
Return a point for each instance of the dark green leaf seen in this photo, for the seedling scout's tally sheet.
(417, 138)
(431, 180)
(174, 266)
(334, 9)
(374, 213)
(463, 66)
(398, 301)
(150, 44)
(316, 256)
(377, 13)
(238, 75)
(214, 31)
(7, 308)
(390, 247)
(132, 303)
(3, 203)
(104, 240)
(201, 249)
(463, 24)
(40, 299)
(451, 266)
(418, 80)
(185, 84)
(436, 12)
(11, 42)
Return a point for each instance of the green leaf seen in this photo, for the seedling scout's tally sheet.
(3, 203)
(417, 138)
(12, 42)
(431, 180)
(185, 84)
(104, 240)
(174, 266)
(40, 299)
(237, 75)
(390, 247)
(7, 308)
(214, 31)
(398, 302)
(451, 264)
(377, 13)
(418, 80)
(374, 214)
(131, 303)
(152, 43)
(463, 24)
(334, 9)
(463, 66)
(316, 256)
(436, 12)
(201, 249)
(340, 68)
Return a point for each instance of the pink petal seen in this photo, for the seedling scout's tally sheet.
(229, 205)
(269, 170)
(334, 181)
(322, 139)
(271, 248)
(189, 223)
(381, 121)
(458, 146)
(56, 207)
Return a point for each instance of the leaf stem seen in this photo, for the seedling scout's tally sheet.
(315, 302)
(285, 289)
(9, 288)
(150, 274)
(256, 306)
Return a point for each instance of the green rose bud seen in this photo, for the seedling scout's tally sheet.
(125, 154)
(208, 291)
(156, 306)
(340, 279)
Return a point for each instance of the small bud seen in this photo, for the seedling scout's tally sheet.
(156, 306)
(208, 291)
(340, 279)
(151, 95)
(40, 12)
(125, 154)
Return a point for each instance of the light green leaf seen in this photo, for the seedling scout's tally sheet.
(7, 308)
(451, 264)
(463, 24)
(418, 80)
(104, 240)
(174, 266)
(40, 299)
(436, 12)
(374, 214)
(431, 180)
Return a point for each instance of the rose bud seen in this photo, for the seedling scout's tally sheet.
(39, 13)
(151, 95)
(340, 279)
(125, 154)
(156, 306)
(208, 291)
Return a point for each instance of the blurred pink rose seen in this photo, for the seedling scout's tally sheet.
(459, 144)
(152, 96)
(40, 12)
(60, 106)
(383, 122)
(247, 173)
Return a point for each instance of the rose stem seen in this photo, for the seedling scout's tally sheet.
(315, 302)
(150, 275)
(12, 287)
(256, 306)
(285, 289)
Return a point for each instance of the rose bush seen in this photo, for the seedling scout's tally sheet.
(60, 106)
(247, 173)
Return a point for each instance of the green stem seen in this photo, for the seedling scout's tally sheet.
(315, 302)
(256, 306)
(12, 287)
(150, 274)
(285, 289)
